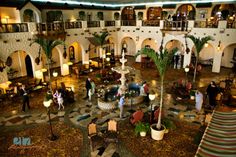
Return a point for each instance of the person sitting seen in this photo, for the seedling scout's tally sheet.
(136, 116)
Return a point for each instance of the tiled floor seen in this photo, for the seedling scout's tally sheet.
(81, 112)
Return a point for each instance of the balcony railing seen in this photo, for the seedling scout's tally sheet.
(57, 26)
(155, 23)
(93, 24)
(175, 25)
(14, 28)
(205, 24)
(71, 25)
(128, 23)
(109, 23)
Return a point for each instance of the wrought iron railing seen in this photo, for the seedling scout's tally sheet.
(57, 26)
(205, 24)
(109, 23)
(176, 25)
(128, 23)
(71, 25)
(155, 23)
(14, 28)
(93, 23)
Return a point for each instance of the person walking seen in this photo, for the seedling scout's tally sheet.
(212, 91)
(59, 98)
(199, 100)
(121, 105)
(88, 87)
(25, 97)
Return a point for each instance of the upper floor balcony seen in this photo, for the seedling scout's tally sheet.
(161, 24)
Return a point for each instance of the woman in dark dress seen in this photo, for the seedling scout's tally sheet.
(212, 91)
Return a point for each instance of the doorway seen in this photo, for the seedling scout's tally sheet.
(28, 65)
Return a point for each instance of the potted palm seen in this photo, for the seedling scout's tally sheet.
(199, 44)
(162, 61)
(116, 16)
(48, 44)
(100, 15)
(141, 128)
(81, 15)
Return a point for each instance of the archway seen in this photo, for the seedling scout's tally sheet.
(17, 68)
(149, 42)
(154, 13)
(128, 13)
(229, 55)
(28, 65)
(178, 58)
(29, 16)
(128, 46)
(186, 11)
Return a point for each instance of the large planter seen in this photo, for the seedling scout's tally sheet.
(157, 134)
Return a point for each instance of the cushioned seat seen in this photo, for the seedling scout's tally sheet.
(137, 116)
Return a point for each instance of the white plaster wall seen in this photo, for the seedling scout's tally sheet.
(227, 56)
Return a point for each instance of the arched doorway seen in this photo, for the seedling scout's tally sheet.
(229, 55)
(128, 16)
(154, 13)
(186, 11)
(129, 46)
(178, 58)
(28, 16)
(28, 65)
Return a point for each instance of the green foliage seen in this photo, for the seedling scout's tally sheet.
(101, 39)
(48, 96)
(100, 15)
(140, 15)
(116, 16)
(141, 127)
(169, 124)
(81, 15)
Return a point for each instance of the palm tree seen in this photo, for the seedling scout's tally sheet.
(100, 39)
(162, 61)
(48, 44)
(199, 44)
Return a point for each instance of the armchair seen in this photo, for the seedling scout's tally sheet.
(94, 138)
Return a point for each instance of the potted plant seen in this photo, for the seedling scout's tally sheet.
(116, 16)
(192, 94)
(81, 15)
(162, 61)
(141, 128)
(169, 124)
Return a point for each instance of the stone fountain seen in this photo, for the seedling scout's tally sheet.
(122, 88)
(123, 70)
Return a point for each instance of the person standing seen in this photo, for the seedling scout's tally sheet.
(25, 97)
(212, 91)
(199, 100)
(59, 98)
(88, 87)
(121, 105)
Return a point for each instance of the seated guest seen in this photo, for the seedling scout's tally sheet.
(136, 116)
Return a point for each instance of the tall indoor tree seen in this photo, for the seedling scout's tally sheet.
(162, 61)
(199, 44)
(48, 44)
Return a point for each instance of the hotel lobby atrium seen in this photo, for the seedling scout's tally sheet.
(89, 55)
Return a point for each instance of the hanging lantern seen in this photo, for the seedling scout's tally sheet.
(64, 54)
(37, 60)
(9, 61)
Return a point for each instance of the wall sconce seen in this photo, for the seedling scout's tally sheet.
(186, 44)
(64, 53)
(2, 66)
(206, 45)
(218, 47)
(137, 38)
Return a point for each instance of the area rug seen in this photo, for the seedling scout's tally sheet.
(219, 139)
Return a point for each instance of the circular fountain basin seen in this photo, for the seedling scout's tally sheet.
(110, 98)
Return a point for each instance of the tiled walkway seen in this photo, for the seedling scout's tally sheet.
(81, 112)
